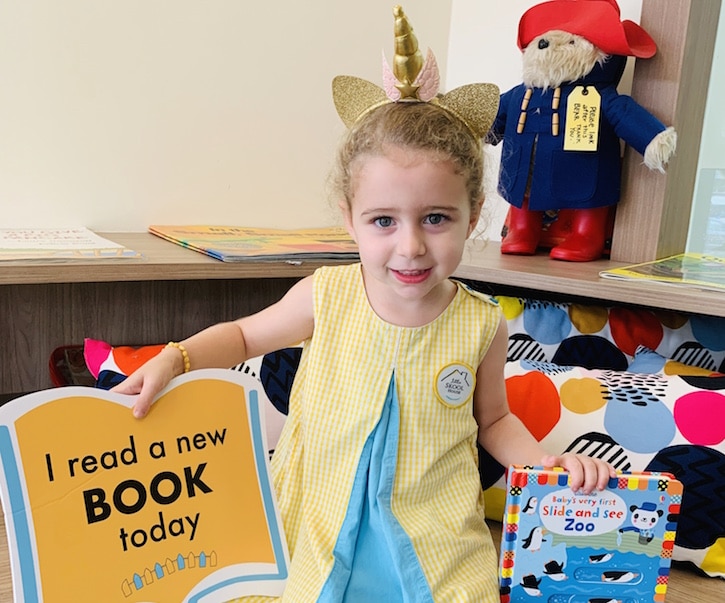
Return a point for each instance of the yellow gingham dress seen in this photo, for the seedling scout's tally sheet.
(376, 471)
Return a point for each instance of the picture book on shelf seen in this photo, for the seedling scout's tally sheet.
(77, 243)
(613, 545)
(177, 507)
(687, 269)
(244, 244)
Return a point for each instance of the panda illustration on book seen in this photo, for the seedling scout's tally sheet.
(644, 519)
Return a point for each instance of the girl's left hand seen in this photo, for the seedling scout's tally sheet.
(586, 473)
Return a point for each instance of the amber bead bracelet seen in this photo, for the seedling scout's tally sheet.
(184, 354)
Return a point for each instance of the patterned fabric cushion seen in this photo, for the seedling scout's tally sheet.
(638, 422)
(649, 361)
(595, 336)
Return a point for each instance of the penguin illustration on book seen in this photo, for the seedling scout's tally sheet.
(530, 507)
(530, 584)
(555, 570)
(600, 558)
(534, 539)
(619, 576)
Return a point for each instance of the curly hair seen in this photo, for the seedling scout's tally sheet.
(413, 125)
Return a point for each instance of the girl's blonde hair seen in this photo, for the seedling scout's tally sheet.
(411, 125)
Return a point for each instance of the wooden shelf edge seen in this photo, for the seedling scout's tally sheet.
(540, 273)
(482, 261)
(161, 261)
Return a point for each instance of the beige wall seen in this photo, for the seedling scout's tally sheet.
(116, 114)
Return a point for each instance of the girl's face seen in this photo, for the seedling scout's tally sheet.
(410, 216)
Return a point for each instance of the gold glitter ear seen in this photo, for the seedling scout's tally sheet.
(354, 96)
(475, 104)
(414, 79)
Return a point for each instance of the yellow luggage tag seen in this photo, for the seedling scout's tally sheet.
(581, 130)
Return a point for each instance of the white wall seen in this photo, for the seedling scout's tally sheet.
(116, 114)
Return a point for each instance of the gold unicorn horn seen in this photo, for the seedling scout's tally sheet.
(408, 59)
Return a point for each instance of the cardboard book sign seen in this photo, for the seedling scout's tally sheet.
(100, 506)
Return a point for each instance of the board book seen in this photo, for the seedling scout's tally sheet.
(248, 244)
(57, 244)
(175, 508)
(694, 270)
(610, 546)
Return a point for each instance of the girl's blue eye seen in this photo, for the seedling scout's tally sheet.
(435, 219)
(384, 221)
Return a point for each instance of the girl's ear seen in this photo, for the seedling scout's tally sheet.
(347, 217)
(475, 215)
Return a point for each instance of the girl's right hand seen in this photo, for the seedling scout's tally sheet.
(149, 379)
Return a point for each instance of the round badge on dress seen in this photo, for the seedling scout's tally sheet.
(454, 384)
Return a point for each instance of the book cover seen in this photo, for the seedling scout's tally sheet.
(177, 507)
(609, 546)
(59, 244)
(239, 244)
(687, 269)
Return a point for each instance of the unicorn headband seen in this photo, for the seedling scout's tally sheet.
(414, 79)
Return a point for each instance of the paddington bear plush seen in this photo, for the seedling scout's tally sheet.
(561, 127)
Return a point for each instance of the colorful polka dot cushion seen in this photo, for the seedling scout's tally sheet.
(608, 337)
(638, 388)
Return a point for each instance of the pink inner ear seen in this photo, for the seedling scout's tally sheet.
(389, 82)
(95, 353)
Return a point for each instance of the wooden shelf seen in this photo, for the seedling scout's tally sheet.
(484, 262)
(161, 260)
(165, 261)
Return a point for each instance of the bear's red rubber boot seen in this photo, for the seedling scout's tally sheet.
(524, 231)
(586, 242)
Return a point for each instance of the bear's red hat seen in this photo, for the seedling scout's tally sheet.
(596, 20)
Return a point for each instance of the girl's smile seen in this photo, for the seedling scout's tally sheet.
(411, 277)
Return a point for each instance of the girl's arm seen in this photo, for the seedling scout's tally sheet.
(226, 344)
(506, 438)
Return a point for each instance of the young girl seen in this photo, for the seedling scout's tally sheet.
(376, 471)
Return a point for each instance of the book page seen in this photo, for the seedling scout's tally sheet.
(58, 243)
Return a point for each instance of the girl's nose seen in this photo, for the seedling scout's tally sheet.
(411, 243)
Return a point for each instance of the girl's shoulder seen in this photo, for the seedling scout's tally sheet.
(337, 276)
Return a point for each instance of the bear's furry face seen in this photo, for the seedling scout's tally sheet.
(556, 57)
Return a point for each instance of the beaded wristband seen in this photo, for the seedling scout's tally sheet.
(184, 354)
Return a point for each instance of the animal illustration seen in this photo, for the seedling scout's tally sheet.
(534, 539)
(555, 570)
(619, 576)
(643, 519)
(530, 507)
(530, 584)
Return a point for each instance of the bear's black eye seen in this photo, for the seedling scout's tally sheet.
(571, 41)
(543, 44)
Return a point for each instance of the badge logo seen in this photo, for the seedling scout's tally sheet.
(454, 384)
